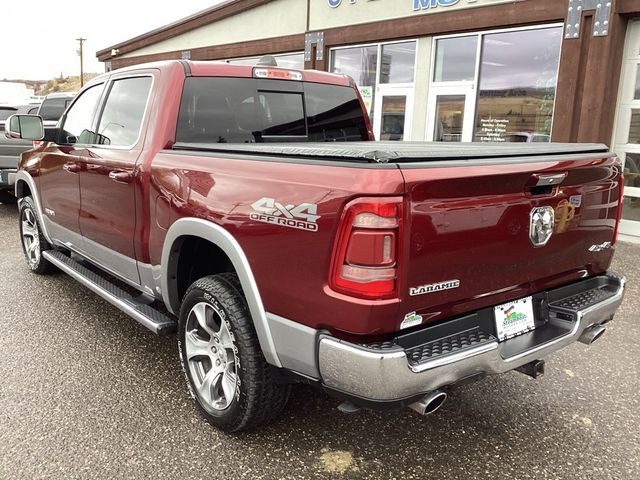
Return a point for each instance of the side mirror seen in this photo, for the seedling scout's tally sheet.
(25, 127)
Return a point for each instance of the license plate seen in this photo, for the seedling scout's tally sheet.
(514, 318)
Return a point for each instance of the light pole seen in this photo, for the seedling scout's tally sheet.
(81, 40)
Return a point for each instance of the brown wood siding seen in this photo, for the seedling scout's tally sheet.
(628, 7)
(590, 69)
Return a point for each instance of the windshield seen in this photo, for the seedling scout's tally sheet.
(248, 110)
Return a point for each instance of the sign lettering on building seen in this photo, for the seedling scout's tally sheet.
(417, 4)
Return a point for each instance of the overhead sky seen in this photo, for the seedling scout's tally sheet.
(38, 36)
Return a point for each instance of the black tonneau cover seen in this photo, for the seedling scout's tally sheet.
(384, 152)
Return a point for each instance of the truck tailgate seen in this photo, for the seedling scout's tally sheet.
(475, 230)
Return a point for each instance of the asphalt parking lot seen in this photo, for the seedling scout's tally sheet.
(85, 392)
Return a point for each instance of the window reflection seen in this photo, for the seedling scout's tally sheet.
(517, 88)
(456, 59)
(398, 62)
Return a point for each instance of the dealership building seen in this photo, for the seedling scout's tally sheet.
(444, 70)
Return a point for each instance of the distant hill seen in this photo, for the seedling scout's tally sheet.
(65, 84)
(60, 84)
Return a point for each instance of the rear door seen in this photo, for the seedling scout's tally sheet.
(485, 234)
(60, 167)
(108, 176)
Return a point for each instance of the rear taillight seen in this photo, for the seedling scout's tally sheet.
(620, 206)
(366, 255)
(36, 143)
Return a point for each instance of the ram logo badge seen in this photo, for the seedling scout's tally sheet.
(434, 287)
(301, 217)
(541, 226)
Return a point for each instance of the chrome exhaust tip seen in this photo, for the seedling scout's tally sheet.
(592, 334)
(431, 402)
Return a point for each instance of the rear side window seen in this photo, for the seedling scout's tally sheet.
(53, 108)
(247, 110)
(123, 112)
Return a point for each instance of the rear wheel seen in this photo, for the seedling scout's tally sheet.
(221, 358)
(32, 239)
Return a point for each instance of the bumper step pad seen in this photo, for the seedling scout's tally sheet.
(135, 306)
(448, 345)
(583, 300)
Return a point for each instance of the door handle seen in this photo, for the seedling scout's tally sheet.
(547, 179)
(71, 167)
(120, 176)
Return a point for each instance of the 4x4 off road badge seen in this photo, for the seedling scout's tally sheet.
(301, 217)
(541, 226)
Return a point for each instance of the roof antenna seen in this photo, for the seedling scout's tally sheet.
(267, 61)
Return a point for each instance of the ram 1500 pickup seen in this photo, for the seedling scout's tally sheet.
(247, 210)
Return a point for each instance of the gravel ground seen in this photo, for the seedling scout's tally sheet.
(85, 392)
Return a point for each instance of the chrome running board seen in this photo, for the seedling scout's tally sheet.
(156, 321)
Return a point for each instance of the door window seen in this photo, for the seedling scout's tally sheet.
(124, 111)
(449, 118)
(78, 123)
(393, 117)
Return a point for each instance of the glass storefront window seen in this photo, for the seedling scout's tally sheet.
(456, 59)
(634, 128)
(449, 118)
(397, 63)
(517, 85)
(360, 63)
(632, 170)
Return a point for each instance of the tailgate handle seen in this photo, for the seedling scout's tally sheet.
(547, 179)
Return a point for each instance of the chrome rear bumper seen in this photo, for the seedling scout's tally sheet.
(386, 375)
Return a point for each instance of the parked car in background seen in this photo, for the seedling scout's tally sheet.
(10, 150)
(53, 106)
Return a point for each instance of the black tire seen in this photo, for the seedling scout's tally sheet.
(7, 197)
(258, 398)
(30, 228)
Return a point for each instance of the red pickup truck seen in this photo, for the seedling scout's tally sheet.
(248, 210)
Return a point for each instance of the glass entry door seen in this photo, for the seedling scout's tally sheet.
(450, 114)
(393, 113)
(627, 133)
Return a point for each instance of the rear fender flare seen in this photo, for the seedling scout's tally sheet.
(220, 237)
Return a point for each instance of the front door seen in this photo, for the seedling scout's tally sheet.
(450, 114)
(627, 132)
(60, 167)
(108, 178)
(393, 113)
